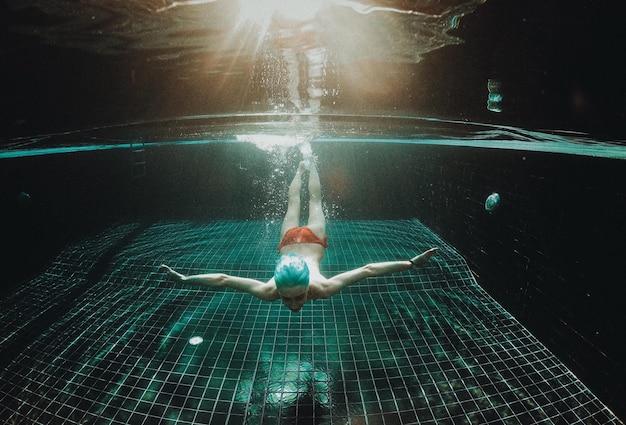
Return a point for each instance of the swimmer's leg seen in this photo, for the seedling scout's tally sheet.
(317, 221)
(292, 217)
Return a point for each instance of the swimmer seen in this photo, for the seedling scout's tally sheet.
(297, 277)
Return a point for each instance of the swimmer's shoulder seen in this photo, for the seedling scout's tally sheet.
(317, 288)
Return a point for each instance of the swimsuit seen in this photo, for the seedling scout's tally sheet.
(303, 234)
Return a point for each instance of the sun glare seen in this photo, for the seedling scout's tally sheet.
(260, 12)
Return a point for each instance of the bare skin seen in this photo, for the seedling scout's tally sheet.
(319, 286)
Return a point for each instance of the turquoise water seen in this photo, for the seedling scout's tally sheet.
(113, 342)
(484, 333)
(162, 128)
(273, 131)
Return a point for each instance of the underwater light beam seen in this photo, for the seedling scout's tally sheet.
(295, 10)
(302, 10)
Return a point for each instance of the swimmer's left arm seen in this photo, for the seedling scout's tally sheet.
(337, 283)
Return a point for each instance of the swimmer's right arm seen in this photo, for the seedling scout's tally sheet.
(265, 291)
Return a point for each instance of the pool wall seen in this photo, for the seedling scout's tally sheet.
(550, 254)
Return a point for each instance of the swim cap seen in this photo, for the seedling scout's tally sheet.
(290, 271)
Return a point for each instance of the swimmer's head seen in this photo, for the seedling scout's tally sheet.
(292, 281)
(291, 272)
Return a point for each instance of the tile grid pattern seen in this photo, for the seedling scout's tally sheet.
(427, 345)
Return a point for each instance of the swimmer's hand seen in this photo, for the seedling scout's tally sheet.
(418, 260)
(172, 274)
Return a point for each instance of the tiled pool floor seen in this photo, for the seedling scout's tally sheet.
(102, 338)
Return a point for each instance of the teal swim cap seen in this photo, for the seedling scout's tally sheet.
(291, 271)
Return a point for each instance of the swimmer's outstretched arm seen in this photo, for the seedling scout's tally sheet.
(265, 291)
(337, 283)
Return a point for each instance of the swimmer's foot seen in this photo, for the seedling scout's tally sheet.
(418, 260)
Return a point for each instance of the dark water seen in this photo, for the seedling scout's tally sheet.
(532, 64)
(145, 111)
(536, 254)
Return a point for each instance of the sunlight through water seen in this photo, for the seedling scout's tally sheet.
(194, 26)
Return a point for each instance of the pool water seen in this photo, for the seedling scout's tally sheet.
(513, 321)
(167, 131)
(124, 345)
